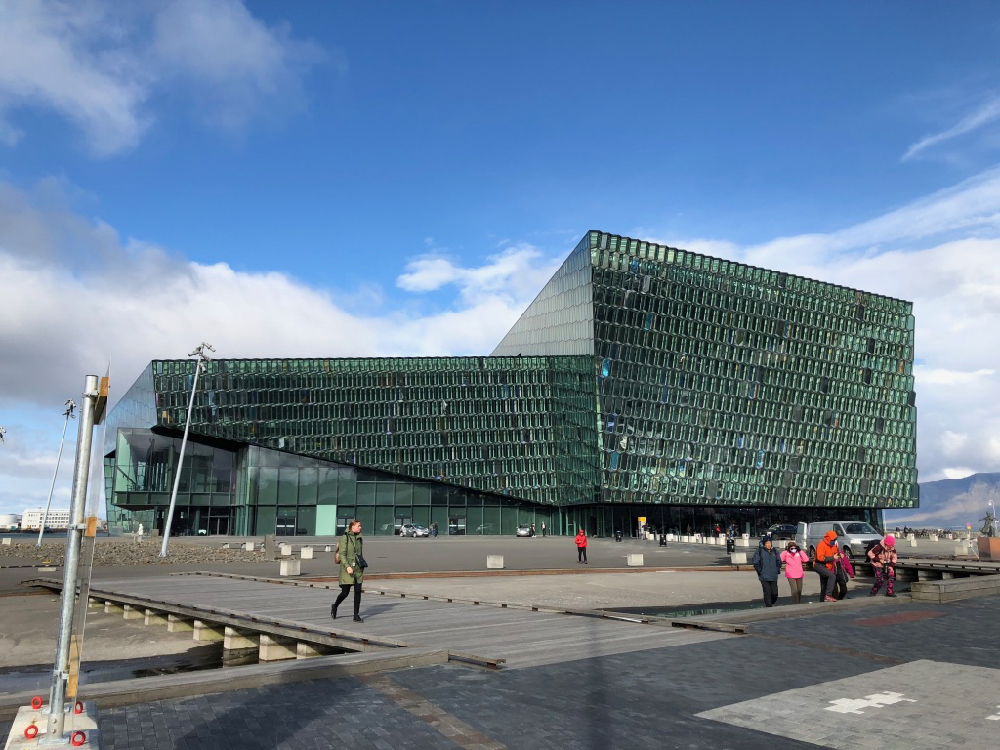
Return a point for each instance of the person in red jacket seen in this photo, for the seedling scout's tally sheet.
(581, 547)
(827, 555)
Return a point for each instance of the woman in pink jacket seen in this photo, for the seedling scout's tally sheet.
(793, 558)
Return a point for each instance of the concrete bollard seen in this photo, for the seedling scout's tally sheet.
(133, 613)
(961, 549)
(494, 562)
(328, 548)
(208, 631)
(6, 541)
(742, 542)
(306, 553)
(225, 545)
(276, 648)
(738, 558)
(178, 624)
(248, 546)
(236, 638)
(913, 542)
(284, 549)
(634, 561)
(933, 537)
(671, 537)
(290, 567)
(721, 539)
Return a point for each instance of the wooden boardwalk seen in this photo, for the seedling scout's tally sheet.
(519, 635)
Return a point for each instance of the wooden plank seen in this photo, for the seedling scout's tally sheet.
(486, 632)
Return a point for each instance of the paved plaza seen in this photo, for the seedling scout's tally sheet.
(897, 676)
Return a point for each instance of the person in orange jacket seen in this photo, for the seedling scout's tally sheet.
(581, 547)
(827, 555)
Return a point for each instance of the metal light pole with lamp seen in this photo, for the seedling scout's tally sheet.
(70, 407)
(199, 367)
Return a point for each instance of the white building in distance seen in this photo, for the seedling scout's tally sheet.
(9, 522)
(58, 518)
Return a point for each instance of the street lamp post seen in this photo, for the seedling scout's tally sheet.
(70, 406)
(199, 352)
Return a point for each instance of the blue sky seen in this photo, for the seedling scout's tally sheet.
(302, 179)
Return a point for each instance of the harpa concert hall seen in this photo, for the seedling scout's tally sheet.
(642, 381)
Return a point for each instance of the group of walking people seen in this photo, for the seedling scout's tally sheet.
(831, 564)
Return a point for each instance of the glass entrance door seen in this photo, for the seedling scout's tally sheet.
(285, 523)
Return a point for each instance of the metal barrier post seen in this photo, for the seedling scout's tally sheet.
(74, 533)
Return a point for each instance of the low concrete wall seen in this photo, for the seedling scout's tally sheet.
(954, 589)
(185, 684)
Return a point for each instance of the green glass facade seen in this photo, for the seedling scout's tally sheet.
(642, 381)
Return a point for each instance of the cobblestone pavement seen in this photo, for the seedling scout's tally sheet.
(899, 677)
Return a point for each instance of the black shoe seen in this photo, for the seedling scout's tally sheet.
(893, 595)
(357, 618)
(333, 611)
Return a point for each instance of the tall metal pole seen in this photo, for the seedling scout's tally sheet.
(78, 505)
(70, 406)
(199, 352)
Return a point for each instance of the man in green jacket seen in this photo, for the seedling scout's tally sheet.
(351, 574)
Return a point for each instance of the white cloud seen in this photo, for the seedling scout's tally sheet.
(959, 472)
(99, 64)
(987, 112)
(951, 443)
(519, 269)
(949, 377)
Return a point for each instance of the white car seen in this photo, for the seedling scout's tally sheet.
(414, 530)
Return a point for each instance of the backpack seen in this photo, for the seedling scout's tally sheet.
(870, 546)
(336, 554)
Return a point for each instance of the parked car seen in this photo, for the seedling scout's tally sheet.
(782, 531)
(852, 536)
(525, 530)
(414, 530)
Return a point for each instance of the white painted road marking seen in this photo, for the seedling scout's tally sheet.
(878, 700)
(924, 692)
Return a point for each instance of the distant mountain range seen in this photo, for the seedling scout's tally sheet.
(950, 503)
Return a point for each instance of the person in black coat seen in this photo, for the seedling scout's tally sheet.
(767, 563)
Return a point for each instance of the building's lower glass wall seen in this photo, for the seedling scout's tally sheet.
(255, 491)
(606, 519)
(140, 478)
